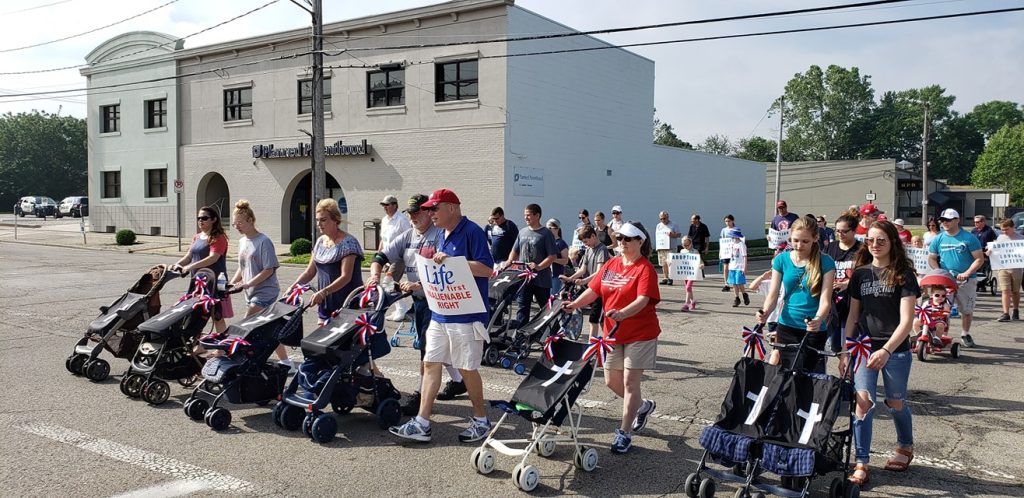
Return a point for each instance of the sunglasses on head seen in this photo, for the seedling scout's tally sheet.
(202, 218)
(623, 238)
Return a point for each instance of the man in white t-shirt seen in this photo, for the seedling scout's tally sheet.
(667, 238)
(392, 224)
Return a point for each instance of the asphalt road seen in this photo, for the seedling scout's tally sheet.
(65, 436)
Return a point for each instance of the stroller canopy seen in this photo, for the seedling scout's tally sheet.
(550, 381)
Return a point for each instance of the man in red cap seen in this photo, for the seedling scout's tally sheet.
(457, 340)
(868, 215)
(784, 218)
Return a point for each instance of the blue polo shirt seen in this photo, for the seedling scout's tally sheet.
(468, 240)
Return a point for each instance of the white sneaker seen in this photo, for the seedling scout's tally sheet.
(288, 363)
(412, 430)
(476, 431)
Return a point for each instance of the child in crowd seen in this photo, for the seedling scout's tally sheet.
(935, 304)
(690, 302)
(917, 241)
(762, 285)
(738, 267)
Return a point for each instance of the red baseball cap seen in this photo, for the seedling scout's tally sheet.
(780, 204)
(439, 196)
(870, 208)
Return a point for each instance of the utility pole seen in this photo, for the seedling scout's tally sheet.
(319, 169)
(924, 169)
(778, 149)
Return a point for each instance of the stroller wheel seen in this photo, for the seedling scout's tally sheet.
(741, 493)
(275, 413)
(196, 409)
(97, 370)
(396, 342)
(324, 428)
(545, 448)
(307, 423)
(954, 350)
(835, 488)
(131, 385)
(483, 461)
(851, 490)
(587, 459)
(491, 355)
(218, 419)
(75, 362)
(527, 478)
(155, 392)
(506, 363)
(520, 369)
(291, 416)
(692, 485)
(707, 488)
(389, 413)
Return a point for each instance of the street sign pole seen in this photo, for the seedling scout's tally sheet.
(179, 186)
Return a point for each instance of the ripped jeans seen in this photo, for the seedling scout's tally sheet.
(895, 375)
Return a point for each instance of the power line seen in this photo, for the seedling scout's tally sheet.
(26, 9)
(88, 32)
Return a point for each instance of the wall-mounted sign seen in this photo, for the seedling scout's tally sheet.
(302, 149)
(907, 184)
(528, 182)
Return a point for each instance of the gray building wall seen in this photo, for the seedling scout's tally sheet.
(830, 187)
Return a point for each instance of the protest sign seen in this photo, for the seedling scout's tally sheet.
(776, 237)
(662, 239)
(725, 247)
(1007, 255)
(920, 258)
(449, 286)
(685, 266)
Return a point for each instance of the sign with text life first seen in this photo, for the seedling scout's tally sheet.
(449, 286)
(1007, 255)
(685, 266)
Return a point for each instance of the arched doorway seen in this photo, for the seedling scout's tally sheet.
(297, 219)
(213, 191)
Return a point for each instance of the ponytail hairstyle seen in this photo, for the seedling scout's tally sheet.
(242, 209)
(814, 273)
(645, 247)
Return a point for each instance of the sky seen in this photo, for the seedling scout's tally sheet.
(722, 87)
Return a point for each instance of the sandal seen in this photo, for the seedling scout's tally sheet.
(860, 481)
(898, 466)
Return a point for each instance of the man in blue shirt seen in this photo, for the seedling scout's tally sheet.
(958, 252)
(501, 234)
(457, 340)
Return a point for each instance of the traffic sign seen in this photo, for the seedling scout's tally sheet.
(179, 185)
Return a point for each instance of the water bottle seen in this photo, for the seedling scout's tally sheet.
(388, 282)
(222, 283)
(954, 311)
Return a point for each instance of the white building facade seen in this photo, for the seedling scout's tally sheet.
(498, 123)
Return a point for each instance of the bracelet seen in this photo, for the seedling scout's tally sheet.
(886, 350)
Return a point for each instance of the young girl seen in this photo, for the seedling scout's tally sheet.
(738, 267)
(936, 305)
(690, 303)
(763, 284)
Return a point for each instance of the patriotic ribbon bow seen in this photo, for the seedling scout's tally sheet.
(366, 329)
(859, 349)
(331, 317)
(600, 347)
(294, 297)
(205, 304)
(527, 274)
(233, 343)
(369, 296)
(551, 299)
(753, 341)
(549, 344)
(923, 314)
(199, 289)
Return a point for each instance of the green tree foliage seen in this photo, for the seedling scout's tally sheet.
(954, 149)
(823, 110)
(1002, 163)
(756, 149)
(991, 116)
(664, 135)
(717, 144)
(42, 154)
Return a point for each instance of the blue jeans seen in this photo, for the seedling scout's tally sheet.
(556, 286)
(895, 375)
(421, 319)
(533, 293)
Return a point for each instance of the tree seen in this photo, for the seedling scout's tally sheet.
(41, 154)
(756, 149)
(1002, 163)
(957, 144)
(664, 135)
(717, 144)
(823, 110)
(989, 117)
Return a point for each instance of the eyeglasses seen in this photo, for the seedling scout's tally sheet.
(939, 295)
(202, 218)
(878, 241)
(622, 238)
(978, 222)
(616, 212)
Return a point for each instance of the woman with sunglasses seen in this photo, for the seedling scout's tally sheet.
(209, 245)
(843, 250)
(806, 276)
(933, 230)
(883, 291)
(336, 262)
(628, 287)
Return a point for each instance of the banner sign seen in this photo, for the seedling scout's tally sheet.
(775, 237)
(449, 286)
(1007, 255)
(919, 256)
(684, 266)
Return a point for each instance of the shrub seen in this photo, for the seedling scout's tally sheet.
(300, 246)
(124, 237)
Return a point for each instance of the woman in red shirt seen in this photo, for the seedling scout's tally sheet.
(628, 287)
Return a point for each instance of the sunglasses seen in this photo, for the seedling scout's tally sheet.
(876, 241)
(616, 212)
(939, 295)
(843, 231)
(622, 238)
(202, 218)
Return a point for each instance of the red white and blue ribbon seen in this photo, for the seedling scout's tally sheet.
(923, 314)
(198, 290)
(294, 296)
(205, 303)
(368, 297)
(600, 347)
(366, 329)
(551, 300)
(753, 341)
(329, 318)
(233, 343)
(527, 274)
(549, 344)
(859, 349)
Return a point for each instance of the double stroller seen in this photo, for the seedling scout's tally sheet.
(778, 419)
(339, 370)
(545, 399)
(242, 372)
(114, 330)
(167, 344)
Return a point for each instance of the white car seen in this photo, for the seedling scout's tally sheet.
(38, 205)
(74, 206)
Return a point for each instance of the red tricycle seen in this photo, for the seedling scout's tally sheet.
(938, 288)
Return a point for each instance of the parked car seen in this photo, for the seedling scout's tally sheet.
(1018, 221)
(38, 205)
(75, 206)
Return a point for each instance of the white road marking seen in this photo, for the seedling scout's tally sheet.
(180, 487)
(135, 456)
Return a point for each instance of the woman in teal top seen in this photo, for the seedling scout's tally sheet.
(806, 274)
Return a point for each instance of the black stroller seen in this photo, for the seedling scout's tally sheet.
(545, 398)
(502, 290)
(339, 369)
(243, 373)
(530, 337)
(114, 330)
(166, 350)
(780, 420)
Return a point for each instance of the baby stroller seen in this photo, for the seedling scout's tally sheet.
(929, 342)
(545, 398)
(114, 330)
(530, 337)
(243, 374)
(778, 420)
(338, 369)
(502, 290)
(167, 344)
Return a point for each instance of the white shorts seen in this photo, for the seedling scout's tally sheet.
(460, 345)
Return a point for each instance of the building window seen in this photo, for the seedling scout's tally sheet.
(156, 182)
(110, 118)
(456, 81)
(238, 104)
(385, 88)
(111, 184)
(306, 96)
(156, 113)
